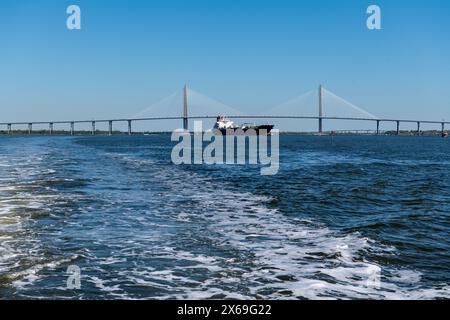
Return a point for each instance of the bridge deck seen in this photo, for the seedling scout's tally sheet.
(213, 117)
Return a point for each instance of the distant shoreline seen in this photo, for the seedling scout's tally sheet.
(425, 133)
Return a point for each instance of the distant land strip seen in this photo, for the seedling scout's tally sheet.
(425, 133)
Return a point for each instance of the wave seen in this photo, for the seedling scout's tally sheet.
(261, 253)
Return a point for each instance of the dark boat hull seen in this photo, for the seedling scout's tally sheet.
(259, 130)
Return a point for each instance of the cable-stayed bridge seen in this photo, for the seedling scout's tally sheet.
(185, 105)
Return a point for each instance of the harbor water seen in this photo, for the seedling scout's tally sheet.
(345, 218)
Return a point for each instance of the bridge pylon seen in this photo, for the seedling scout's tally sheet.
(320, 109)
(185, 108)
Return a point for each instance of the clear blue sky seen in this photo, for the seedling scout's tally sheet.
(248, 54)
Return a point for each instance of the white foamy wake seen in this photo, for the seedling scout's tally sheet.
(267, 254)
(236, 245)
(22, 198)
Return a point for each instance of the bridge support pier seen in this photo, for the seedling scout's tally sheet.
(50, 127)
(378, 127)
(129, 128)
(418, 128)
(110, 128)
(443, 129)
(398, 127)
(93, 127)
(9, 128)
(72, 128)
(30, 128)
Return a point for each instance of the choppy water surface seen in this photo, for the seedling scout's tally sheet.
(140, 227)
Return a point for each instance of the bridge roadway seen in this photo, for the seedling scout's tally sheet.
(110, 122)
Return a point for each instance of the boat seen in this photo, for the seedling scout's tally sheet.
(226, 126)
